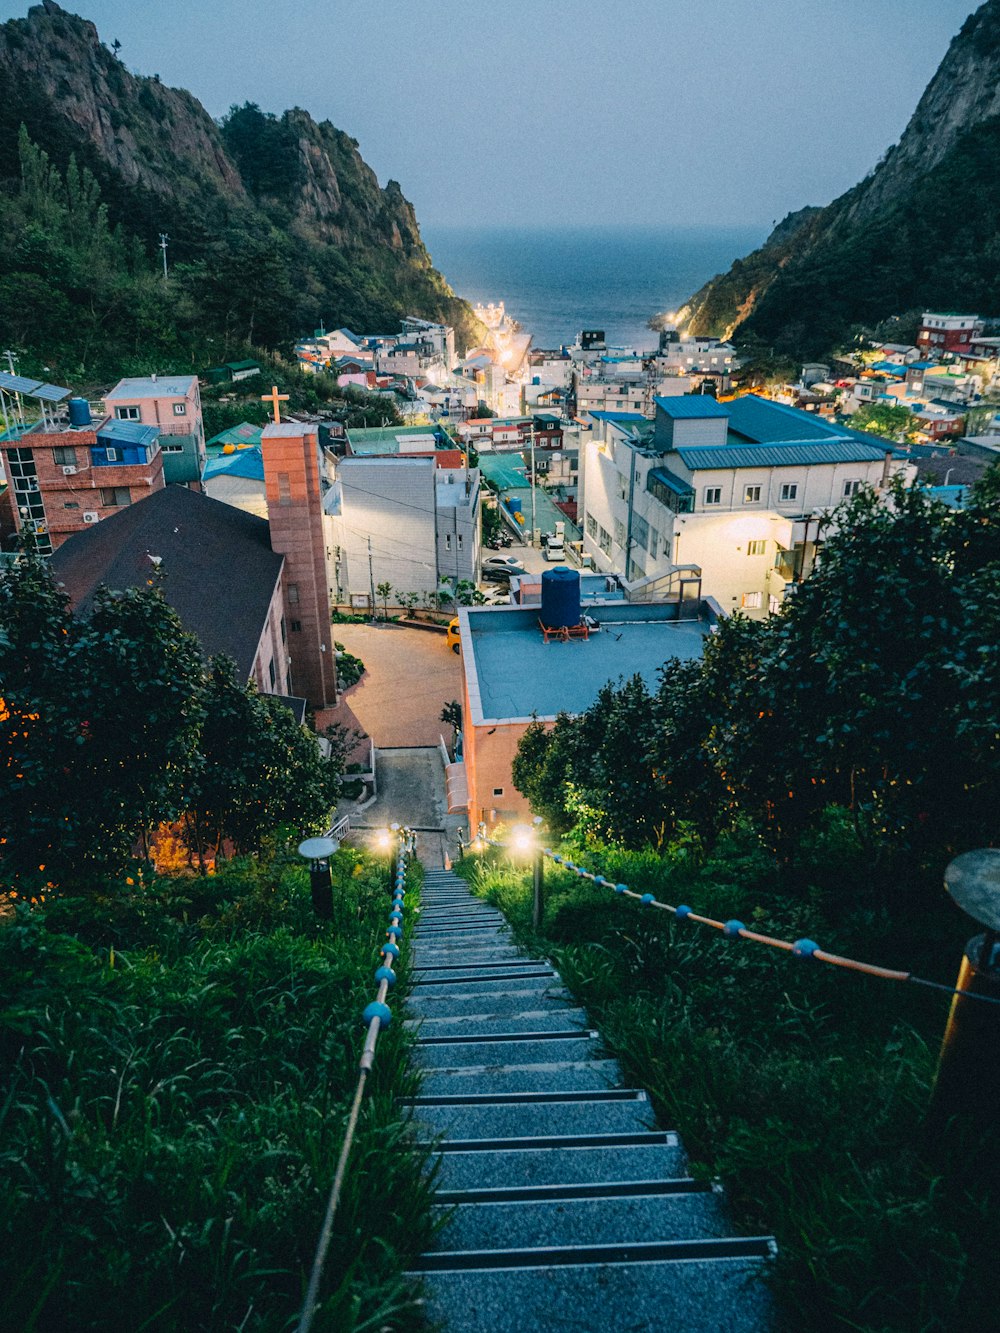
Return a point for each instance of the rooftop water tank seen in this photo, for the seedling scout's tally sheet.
(79, 412)
(560, 597)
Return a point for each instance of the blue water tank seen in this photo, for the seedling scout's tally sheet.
(514, 504)
(560, 597)
(79, 412)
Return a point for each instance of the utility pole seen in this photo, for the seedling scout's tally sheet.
(531, 437)
(371, 577)
(11, 361)
(164, 240)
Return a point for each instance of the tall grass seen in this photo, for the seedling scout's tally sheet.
(176, 1064)
(804, 1088)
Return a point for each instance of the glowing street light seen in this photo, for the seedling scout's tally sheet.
(524, 842)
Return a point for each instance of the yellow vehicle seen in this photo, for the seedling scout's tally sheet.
(452, 639)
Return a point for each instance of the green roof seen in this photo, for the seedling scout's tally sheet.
(244, 433)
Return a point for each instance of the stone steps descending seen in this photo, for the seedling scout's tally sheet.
(562, 1206)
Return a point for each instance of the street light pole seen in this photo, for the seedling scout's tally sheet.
(317, 851)
(538, 890)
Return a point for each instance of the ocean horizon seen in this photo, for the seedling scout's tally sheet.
(558, 280)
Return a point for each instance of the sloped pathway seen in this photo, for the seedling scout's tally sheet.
(564, 1208)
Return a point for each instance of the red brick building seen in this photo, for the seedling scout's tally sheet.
(947, 332)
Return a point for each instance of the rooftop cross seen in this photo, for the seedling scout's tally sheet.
(274, 398)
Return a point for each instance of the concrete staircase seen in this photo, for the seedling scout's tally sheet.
(562, 1207)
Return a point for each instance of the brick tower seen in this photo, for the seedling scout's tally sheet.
(295, 515)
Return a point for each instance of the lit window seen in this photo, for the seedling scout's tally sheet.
(751, 495)
(751, 601)
(756, 547)
(789, 491)
(713, 495)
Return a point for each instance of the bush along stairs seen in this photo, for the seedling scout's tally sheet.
(560, 1206)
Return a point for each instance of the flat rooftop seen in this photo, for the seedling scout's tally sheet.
(513, 674)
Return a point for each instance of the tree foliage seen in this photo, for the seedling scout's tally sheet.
(111, 724)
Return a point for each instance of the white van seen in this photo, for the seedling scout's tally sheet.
(555, 543)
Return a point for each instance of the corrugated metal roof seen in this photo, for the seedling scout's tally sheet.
(671, 482)
(164, 386)
(692, 405)
(760, 421)
(778, 455)
(128, 432)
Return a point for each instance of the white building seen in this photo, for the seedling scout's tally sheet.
(733, 489)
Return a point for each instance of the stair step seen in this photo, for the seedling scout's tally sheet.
(435, 918)
(507, 997)
(717, 1295)
(472, 950)
(554, 1076)
(495, 977)
(507, 1168)
(496, 1054)
(447, 934)
(533, 1119)
(561, 1222)
(475, 1024)
(587, 1190)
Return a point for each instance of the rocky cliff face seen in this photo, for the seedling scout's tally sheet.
(163, 164)
(905, 236)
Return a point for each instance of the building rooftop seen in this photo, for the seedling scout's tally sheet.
(789, 454)
(163, 386)
(247, 463)
(244, 433)
(692, 405)
(128, 432)
(513, 675)
(219, 572)
(396, 440)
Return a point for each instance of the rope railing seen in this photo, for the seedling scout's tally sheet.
(376, 1015)
(806, 949)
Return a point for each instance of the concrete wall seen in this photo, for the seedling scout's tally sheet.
(392, 502)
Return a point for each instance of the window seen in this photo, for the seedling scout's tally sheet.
(636, 570)
(460, 540)
(852, 487)
(180, 409)
(751, 601)
(71, 504)
(622, 483)
(284, 635)
(172, 448)
(115, 496)
(591, 526)
(653, 544)
(293, 594)
(605, 541)
(111, 455)
(756, 547)
(271, 674)
(127, 413)
(773, 605)
(296, 626)
(789, 491)
(640, 530)
(64, 454)
(498, 791)
(713, 495)
(619, 532)
(751, 495)
(447, 541)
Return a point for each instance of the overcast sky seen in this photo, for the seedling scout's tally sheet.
(557, 112)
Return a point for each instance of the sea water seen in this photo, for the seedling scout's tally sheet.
(556, 282)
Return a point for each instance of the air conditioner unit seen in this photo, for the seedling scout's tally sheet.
(90, 516)
(69, 470)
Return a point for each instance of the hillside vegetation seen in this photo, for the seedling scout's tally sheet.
(275, 223)
(920, 232)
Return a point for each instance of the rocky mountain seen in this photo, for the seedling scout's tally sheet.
(291, 196)
(922, 230)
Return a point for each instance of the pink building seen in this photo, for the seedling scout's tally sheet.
(173, 403)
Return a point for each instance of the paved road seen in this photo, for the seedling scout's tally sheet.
(410, 675)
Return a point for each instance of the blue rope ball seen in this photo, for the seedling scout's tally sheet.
(394, 933)
(599, 879)
(386, 974)
(647, 898)
(683, 912)
(732, 929)
(391, 950)
(379, 1011)
(621, 888)
(804, 948)
(558, 860)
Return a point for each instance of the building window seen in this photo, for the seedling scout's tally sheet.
(591, 526)
(773, 605)
(622, 483)
(293, 594)
(180, 409)
(654, 542)
(751, 601)
(64, 454)
(751, 495)
(296, 626)
(447, 541)
(498, 791)
(115, 496)
(851, 487)
(127, 413)
(459, 539)
(756, 547)
(789, 491)
(284, 634)
(271, 674)
(71, 504)
(172, 448)
(636, 570)
(110, 455)
(713, 495)
(619, 532)
(605, 540)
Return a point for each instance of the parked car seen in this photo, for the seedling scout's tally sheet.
(452, 637)
(502, 566)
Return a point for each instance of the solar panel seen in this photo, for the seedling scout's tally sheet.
(50, 392)
(18, 384)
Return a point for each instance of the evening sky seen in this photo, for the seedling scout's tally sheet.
(558, 112)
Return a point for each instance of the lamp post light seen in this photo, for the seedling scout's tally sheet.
(317, 851)
(524, 842)
(967, 1084)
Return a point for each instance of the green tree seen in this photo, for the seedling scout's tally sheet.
(893, 423)
(383, 590)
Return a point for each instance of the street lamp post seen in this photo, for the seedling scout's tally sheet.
(317, 851)
(524, 841)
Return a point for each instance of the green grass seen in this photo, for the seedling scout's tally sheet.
(803, 1087)
(177, 1063)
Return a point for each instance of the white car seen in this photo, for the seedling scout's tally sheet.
(501, 566)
